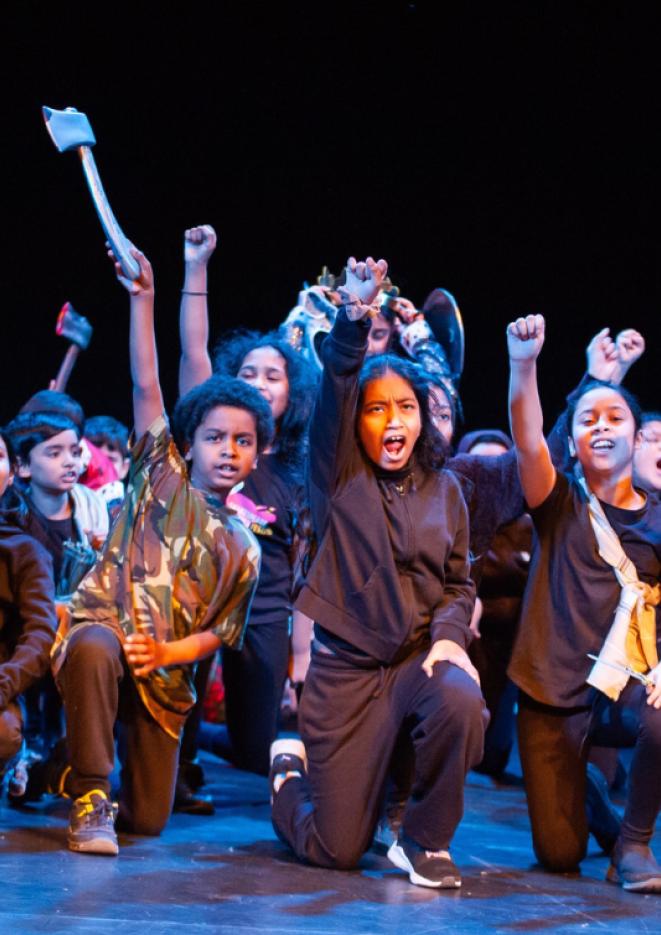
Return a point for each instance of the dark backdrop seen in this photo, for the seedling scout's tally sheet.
(511, 156)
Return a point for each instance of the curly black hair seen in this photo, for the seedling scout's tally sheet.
(292, 427)
(192, 408)
(431, 449)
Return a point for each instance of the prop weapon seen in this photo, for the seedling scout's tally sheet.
(76, 329)
(70, 129)
(444, 319)
(646, 680)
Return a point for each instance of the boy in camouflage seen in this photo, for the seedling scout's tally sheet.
(175, 580)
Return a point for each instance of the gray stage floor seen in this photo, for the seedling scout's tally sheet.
(230, 874)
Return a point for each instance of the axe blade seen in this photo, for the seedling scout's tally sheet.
(68, 129)
(74, 327)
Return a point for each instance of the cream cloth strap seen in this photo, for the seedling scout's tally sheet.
(631, 640)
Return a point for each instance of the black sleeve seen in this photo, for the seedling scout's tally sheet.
(332, 426)
(545, 516)
(34, 602)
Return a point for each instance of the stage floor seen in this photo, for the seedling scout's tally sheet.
(230, 874)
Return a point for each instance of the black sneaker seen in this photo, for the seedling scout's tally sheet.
(188, 802)
(287, 756)
(192, 773)
(634, 868)
(425, 868)
(92, 824)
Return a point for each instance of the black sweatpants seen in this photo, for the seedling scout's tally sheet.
(98, 690)
(554, 744)
(350, 719)
(254, 680)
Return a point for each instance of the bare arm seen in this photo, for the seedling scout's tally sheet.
(147, 396)
(301, 642)
(525, 338)
(195, 363)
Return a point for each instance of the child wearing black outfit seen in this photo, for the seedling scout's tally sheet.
(390, 593)
(269, 502)
(594, 574)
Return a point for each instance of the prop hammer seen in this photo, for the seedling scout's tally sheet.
(76, 329)
(70, 129)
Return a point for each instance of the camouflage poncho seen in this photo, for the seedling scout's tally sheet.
(175, 562)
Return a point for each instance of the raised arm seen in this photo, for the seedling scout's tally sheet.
(195, 363)
(332, 422)
(147, 396)
(525, 338)
(610, 359)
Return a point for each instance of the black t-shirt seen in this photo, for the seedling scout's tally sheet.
(572, 593)
(269, 503)
(52, 534)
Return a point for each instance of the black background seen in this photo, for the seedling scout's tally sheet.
(511, 156)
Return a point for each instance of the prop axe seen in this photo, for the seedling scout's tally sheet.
(69, 129)
(76, 329)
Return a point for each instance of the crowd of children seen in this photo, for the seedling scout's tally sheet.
(303, 512)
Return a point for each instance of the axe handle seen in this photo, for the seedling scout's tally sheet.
(66, 367)
(118, 242)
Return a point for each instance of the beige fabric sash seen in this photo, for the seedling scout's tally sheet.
(631, 640)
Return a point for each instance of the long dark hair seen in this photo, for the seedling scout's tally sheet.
(292, 426)
(431, 449)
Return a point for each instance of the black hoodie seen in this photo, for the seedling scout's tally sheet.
(391, 570)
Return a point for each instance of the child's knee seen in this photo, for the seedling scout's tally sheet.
(559, 853)
(461, 702)
(148, 824)
(91, 647)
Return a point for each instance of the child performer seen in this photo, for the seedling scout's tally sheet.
(56, 509)
(112, 438)
(27, 621)
(174, 581)
(598, 544)
(270, 502)
(390, 594)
